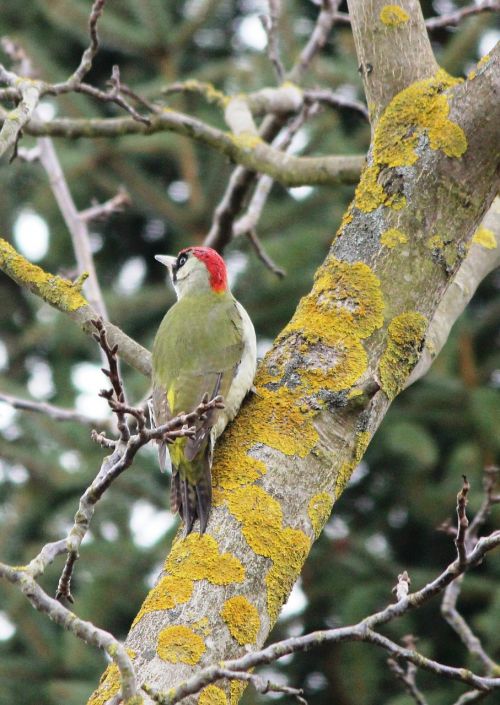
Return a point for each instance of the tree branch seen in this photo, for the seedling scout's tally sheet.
(452, 19)
(56, 413)
(393, 52)
(66, 296)
(482, 258)
(362, 631)
(242, 179)
(249, 151)
(88, 632)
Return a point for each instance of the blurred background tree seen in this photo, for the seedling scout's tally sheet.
(446, 425)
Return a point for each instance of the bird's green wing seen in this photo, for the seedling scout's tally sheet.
(199, 339)
(197, 351)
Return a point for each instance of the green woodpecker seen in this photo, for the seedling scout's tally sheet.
(204, 345)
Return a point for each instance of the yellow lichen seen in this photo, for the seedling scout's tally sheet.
(55, 290)
(405, 339)
(344, 306)
(196, 557)
(351, 291)
(319, 509)
(180, 644)
(275, 418)
(167, 594)
(343, 475)
(435, 242)
(422, 108)
(202, 626)
(242, 619)
(212, 695)
(393, 237)
(192, 558)
(345, 471)
(208, 90)
(393, 15)
(246, 140)
(482, 62)
(262, 526)
(370, 194)
(350, 362)
(109, 684)
(346, 219)
(236, 689)
(361, 444)
(485, 237)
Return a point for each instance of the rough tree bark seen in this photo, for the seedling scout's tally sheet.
(350, 348)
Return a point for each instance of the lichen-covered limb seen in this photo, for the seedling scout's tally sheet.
(482, 258)
(284, 99)
(82, 629)
(66, 296)
(392, 46)
(15, 120)
(326, 384)
(247, 150)
(362, 631)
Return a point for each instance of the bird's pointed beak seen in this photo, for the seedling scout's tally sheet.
(168, 261)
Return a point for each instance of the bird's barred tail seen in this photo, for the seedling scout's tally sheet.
(192, 501)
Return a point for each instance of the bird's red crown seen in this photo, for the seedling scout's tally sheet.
(215, 265)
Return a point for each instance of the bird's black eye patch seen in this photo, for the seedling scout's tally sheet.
(181, 259)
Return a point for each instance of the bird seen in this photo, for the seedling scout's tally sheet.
(205, 345)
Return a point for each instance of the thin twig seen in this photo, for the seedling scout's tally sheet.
(270, 23)
(491, 476)
(336, 100)
(260, 684)
(57, 413)
(263, 256)
(77, 227)
(84, 630)
(460, 626)
(454, 18)
(319, 36)
(463, 522)
(101, 211)
(90, 52)
(407, 675)
(466, 537)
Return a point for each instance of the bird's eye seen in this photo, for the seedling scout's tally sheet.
(181, 259)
